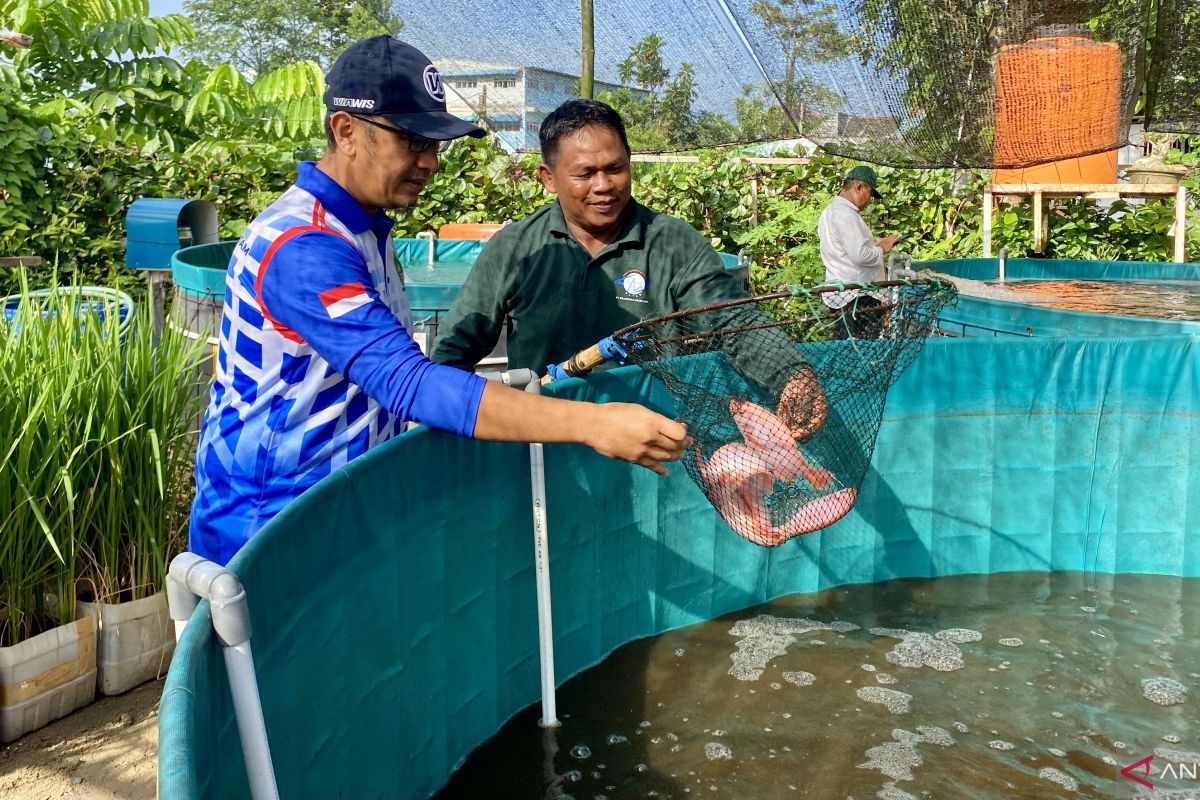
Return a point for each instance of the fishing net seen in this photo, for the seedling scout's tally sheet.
(917, 83)
(785, 421)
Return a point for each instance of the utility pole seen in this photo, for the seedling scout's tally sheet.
(587, 69)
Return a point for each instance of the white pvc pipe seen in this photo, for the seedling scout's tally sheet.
(541, 560)
(432, 244)
(1180, 224)
(252, 729)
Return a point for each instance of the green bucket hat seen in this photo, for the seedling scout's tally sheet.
(866, 175)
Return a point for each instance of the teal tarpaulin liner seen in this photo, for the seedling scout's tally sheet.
(416, 251)
(393, 606)
(977, 316)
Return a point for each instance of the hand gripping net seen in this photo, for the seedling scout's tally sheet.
(784, 420)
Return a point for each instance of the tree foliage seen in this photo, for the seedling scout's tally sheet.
(659, 115)
(72, 161)
(97, 113)
(259, 36)
(807, 33)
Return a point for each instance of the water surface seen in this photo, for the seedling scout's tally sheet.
(1028, 685)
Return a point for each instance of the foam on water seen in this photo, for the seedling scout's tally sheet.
(800, 678)
(923, 650)
(1164, 691)
(1177, 756)
(1058, 776)
(891, 791)
(894, 701)
(716, 750)
(935, 735)
(893, 759)
(766, 637)
(1055, 719)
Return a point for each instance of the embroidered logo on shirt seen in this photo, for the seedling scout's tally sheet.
(341, 300)
(632, 286)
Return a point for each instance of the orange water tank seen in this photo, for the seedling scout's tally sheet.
(467, 231)
(1058, 93)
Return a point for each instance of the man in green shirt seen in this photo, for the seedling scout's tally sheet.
(594, 261)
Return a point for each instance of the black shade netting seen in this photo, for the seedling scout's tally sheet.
(784, 421)
(917, 83)
(1173, 76)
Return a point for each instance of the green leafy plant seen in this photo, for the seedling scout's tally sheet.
(94, 448)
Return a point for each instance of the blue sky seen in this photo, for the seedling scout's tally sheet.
(160, 7)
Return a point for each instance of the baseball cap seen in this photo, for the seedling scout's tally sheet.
(866, 175)
(382, 76)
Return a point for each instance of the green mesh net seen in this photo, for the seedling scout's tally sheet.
(784, 420)
(914, 83)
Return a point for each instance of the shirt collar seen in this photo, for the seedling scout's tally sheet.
(341, 203)
(853, 207)
(633, 229)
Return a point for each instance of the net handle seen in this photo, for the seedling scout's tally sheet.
(579, 364)
(607, 348)
(780, 294)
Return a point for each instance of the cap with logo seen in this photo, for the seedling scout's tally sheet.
(382, 76)
(866, 175)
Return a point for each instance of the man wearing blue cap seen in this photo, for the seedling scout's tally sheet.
(853, 255)
(316, 363)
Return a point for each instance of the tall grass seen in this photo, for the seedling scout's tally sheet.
(95, 441)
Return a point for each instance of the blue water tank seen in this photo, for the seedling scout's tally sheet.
(155, 227)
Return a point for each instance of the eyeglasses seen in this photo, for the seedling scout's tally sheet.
(416, 144)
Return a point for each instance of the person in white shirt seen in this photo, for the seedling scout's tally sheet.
(852, 254)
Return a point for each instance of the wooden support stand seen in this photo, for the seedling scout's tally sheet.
(1040, 192)
(159, 283)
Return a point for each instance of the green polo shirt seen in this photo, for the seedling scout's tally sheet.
(561, 299)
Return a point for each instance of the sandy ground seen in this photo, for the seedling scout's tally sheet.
(105, 751)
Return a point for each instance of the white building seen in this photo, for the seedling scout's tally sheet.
(512, 101)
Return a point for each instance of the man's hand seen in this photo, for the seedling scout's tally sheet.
(636, 434)
(887, 243)
(803, 405)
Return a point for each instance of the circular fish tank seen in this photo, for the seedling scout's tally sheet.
(1007, 610)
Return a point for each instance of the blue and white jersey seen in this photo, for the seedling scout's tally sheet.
(316, 363)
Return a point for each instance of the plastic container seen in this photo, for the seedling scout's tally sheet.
(134, 644)
(474, 231)
(47, 677)
(1058, 94)
(199, 276)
